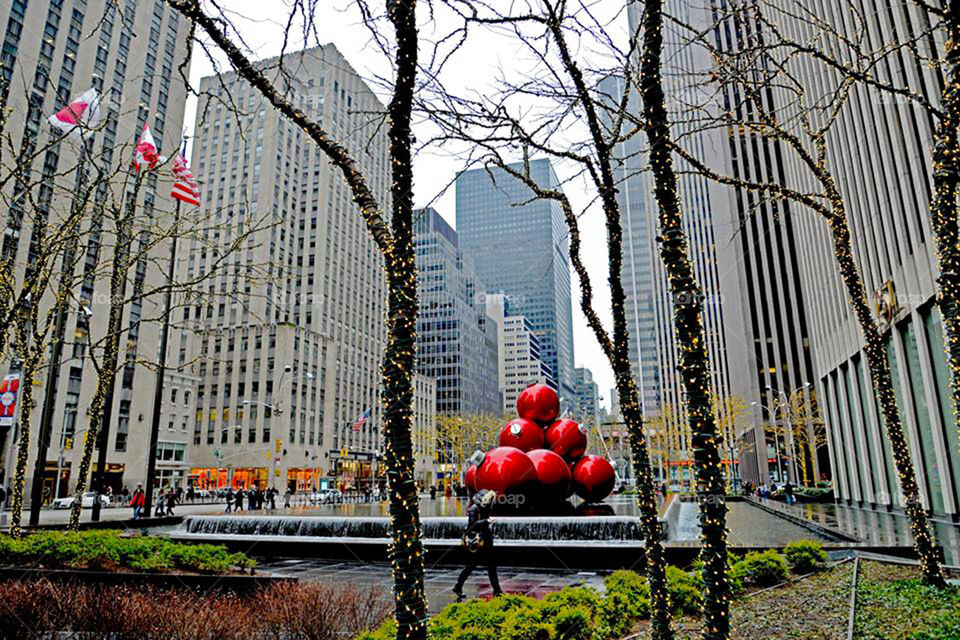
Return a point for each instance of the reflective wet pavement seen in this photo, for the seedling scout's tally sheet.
(875, 527)
(439, 580)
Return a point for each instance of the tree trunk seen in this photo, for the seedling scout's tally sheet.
(943, 209)
(31, 361)
(694, 366)
(883, 389)
(111, 353)
(406, 552)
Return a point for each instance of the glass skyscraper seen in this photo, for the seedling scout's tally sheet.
(520, 248)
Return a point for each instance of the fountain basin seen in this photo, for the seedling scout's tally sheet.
(612, 529)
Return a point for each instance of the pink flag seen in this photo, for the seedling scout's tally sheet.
(146, 152)
(83, 112)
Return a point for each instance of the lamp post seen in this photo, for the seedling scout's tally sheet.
(788, 413)
(63, 446)
(776, 438)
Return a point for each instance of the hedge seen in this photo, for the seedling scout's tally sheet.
(107, 549)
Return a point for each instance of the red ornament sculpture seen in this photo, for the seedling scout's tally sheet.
(567, 438)
(593, 478)
(539, 403)
(506, 470)
(553, 475)
(470, 478)
(522, 434)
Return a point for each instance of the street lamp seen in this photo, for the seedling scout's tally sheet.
(787, 412)
(776, 439)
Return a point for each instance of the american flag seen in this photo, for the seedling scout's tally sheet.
(185, 187)
(361, 419)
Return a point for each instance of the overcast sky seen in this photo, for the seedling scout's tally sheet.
(261, 24)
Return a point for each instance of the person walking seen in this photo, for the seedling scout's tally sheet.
(229, 500)
(137, 500)
(158, 511)
(788, 493)
(125, 495)
(478, 539)
(238, 499)
(171, 501)
(287, 495)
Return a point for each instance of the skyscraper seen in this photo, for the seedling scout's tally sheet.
(519, 347)
(709, 223)
(880, 149)
(288, 345)
(520, 248)
(51, 52)
(456, 341)
(587, 408)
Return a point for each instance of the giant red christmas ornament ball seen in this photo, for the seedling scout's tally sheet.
(553, 475)
(593, 478)
(470, 478)
(506, 470)
(567, 438)
(523, 434)
(539, 403)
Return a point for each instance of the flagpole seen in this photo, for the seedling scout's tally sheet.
(56, 355)
(161, 367)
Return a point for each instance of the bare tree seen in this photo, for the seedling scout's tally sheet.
(395, 242)
(582, 124)
(800, 123)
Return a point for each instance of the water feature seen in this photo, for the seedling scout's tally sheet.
(586, 528)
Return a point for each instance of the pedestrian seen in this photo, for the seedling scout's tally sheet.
(287, 495)
(273, 498)
(125, 495)
(788, 493)
(158, 511)
(433, 492)
(238, 499)
(478, 539)
(137, 501)
(229, 500)
(171, 501)
(191, 495)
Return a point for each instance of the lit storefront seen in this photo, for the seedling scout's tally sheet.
(211, 478)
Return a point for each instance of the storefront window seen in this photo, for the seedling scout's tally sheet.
(934, 343)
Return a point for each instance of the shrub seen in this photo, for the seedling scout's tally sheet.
(630, 593)
(684, 591)
(39, 609)
(805, 555)
(761, 568)
(107, 549)
(572, 623)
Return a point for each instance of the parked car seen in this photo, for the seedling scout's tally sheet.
(86, 502)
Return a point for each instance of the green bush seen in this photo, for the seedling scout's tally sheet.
(761, 569)
(107, 549)
(805, 555)
(684, 591)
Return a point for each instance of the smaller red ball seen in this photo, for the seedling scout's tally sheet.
(567, 438)
(593, 478)
(523, 434)
(539, 403)
(506, 470)
(470, 478)
(553, 475)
